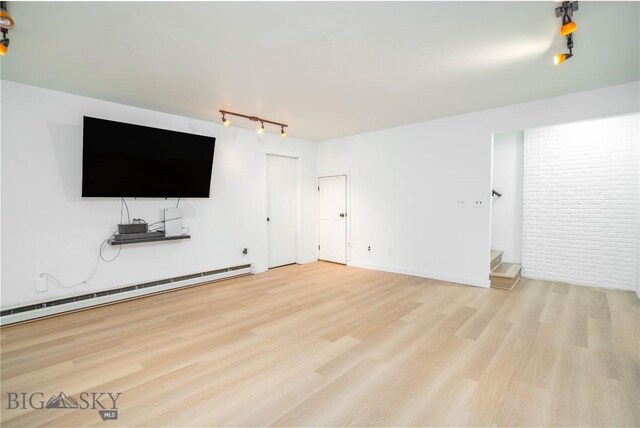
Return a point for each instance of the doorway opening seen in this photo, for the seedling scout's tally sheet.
(506, 209)
(282, 207)
(566, 206)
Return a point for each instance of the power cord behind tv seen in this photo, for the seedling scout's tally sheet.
(127, 206)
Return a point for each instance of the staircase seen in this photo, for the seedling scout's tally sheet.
(503, 275)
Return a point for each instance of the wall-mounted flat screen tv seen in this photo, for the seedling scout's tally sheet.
(125, 160)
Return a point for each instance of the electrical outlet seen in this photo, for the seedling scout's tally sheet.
(41, 284)
(478, 204)
(460, 203)
(245, 251)
(369, 248)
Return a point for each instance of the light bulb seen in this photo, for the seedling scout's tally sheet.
(560, 58)
(261, 129)
(4, 46)
(6, 20)
(283, 133)
(226, 122)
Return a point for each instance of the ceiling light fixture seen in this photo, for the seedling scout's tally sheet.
(568, 27)
(260, 130)
(6, 23)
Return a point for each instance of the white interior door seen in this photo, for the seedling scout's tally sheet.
(282, 179)
(332, 215)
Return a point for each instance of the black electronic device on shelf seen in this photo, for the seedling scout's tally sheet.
(133, 228)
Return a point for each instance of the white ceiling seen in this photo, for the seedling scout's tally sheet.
(329, 69)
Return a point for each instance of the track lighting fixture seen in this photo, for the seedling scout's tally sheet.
(6, 23)
(260, 130)
(6, 20)
(568, 27)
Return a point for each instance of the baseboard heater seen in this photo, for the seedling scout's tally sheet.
(68, 304)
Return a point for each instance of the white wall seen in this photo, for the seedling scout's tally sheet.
(405, 182)
(581, 196)
(48, 227)
(506, 214)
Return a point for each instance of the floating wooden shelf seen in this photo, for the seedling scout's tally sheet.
(154, 239)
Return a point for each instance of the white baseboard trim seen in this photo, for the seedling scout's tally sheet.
(423, 274)
(117, 297)
(308, 260)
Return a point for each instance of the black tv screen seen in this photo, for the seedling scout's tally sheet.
(124, 160)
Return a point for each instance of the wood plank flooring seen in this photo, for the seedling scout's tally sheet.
(328, 345)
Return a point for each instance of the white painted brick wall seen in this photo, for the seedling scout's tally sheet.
(581, 203)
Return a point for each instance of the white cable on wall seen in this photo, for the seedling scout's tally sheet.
(97, 260)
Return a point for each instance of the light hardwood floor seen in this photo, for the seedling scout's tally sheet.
(323, 344)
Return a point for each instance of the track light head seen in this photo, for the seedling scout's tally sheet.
(283, 133)
(568, 26)
(225, 121)
(6, 20)
(561, 57)
(566, 11)
(261, 129)
(4, 46)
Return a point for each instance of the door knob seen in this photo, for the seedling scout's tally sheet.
(341, 214)
(268, 219)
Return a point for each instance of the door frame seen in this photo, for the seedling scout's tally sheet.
(347, 189)
(299, 243)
